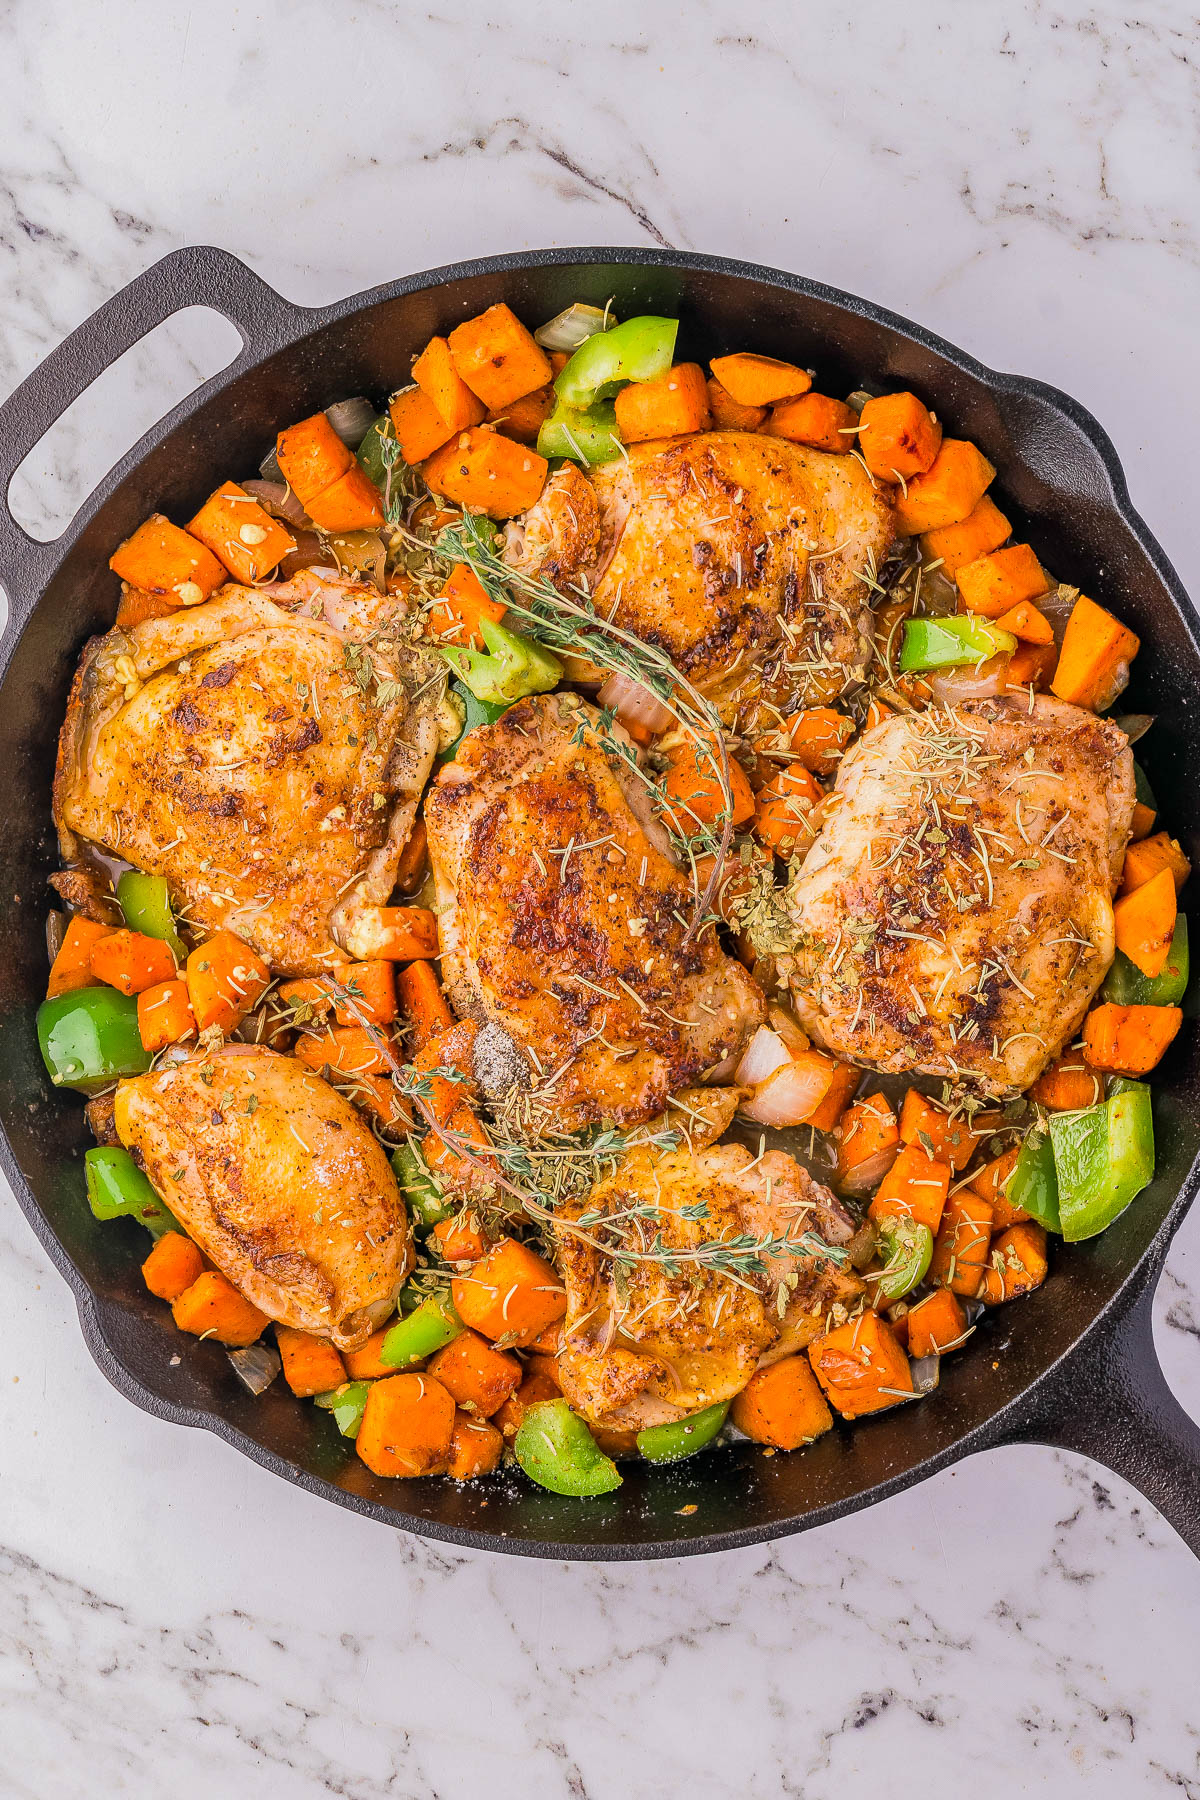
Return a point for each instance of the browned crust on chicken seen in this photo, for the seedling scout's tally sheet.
(279, 1181)
(644, 1342)
(740, 556)
(954, 917)
(563, 920)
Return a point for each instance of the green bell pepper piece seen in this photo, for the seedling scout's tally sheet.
(117, 1189)
(671, 1443)
(433, 1324)
(426, 1201)
(90, 1037)
(1033, 1183)
(586, 435)
(556, 1449)
(942, 643)
(146, 906)
(475, 713)
(1104, 1156)
(639, 350)
(370, 451)
(909, 1248)
(1127, 986)
(512, 666)
(1142, 789)
(347, 1404)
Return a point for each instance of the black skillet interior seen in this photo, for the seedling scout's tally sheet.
(1060, 483)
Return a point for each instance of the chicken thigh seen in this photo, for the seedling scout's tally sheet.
(265, 751)
(661, 1321)
(563, 922)
(740, 556)
(954, 916)
(280, 1183)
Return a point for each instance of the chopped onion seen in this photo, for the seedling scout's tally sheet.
(782, 1021)
(351, 419)
(789, 1095)
(868, 1173)
(860, 1249)
(925, 1372)
(277, 498)
(308, 554)
(573, 326)
(765, 1053)
(970, 681)
(635, 704)
(269, 467)
(1057, 605)
(256, 1366)
(56, 930)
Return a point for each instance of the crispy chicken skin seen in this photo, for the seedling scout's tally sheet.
(241, 749)
(954, 916)
(280, 1183)
(641, 1345)
(560, 921)
(736, 554)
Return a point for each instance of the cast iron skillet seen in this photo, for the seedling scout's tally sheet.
(1073, 1365)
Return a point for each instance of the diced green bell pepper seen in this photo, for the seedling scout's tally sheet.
(1104, 1156)
(671, 1443)
(475, 713)
(942, 643)
(1127, 986)
(511, 667)
(639, 350)
(426, 1201)
(370, 451)
(556, 1449)
(117, 1189)
(146, 906)
(433, 1324)
(908, 1247)
(1033, 1183)
(90, 1037)
(586, 435)
(347, 1404)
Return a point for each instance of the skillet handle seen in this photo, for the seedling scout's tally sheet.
(1110, 1401)
(200, 275)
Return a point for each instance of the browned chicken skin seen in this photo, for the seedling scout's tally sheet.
(954, 916)
(740, 556)
(279, 1181)
(644, 1344)
(265, 751)
(563, 919)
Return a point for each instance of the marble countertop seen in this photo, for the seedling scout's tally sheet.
(175, 1620)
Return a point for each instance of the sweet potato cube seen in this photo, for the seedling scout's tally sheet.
(212, 1307)
(759, 380)
(1017, 1264)
(240, 534)
(407, 1426)
(861, 1366)
(438, 379)
(311, 457)
(670, 406)
(1093, 663)
(782, 1405)
(498, 358)
(814, 419)
(936, 1324)
(1143, 861)
(948, 492)
(352, 503)
(982, 531)
(488, 473)
(161, 558)
(311, 1365)
(992, 585)
(419, 426)
(897, 436)
(729, 414)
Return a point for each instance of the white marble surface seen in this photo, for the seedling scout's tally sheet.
(174, 1620)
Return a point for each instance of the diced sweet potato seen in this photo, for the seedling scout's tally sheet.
(982, 531)
(487, 472)
(814, 419)
(898, 436)
(498, 358)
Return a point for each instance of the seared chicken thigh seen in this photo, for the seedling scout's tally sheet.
(740, 556)
(563, 920)
(954, 916)
(660, 1322)
(280, 1183)
(265, 751)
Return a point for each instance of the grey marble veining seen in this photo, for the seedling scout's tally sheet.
(173, 1620)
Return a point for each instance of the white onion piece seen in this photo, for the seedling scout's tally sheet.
(765, 1053)
(635, 704)
(255, 1366)
(573, 326)
(1057, 605)
(351, 419)
(1135, 725)
(781, 1020)
(278, 499)
(868, 1173)
(789, 1095)
(970, 681)
(925, 1372)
